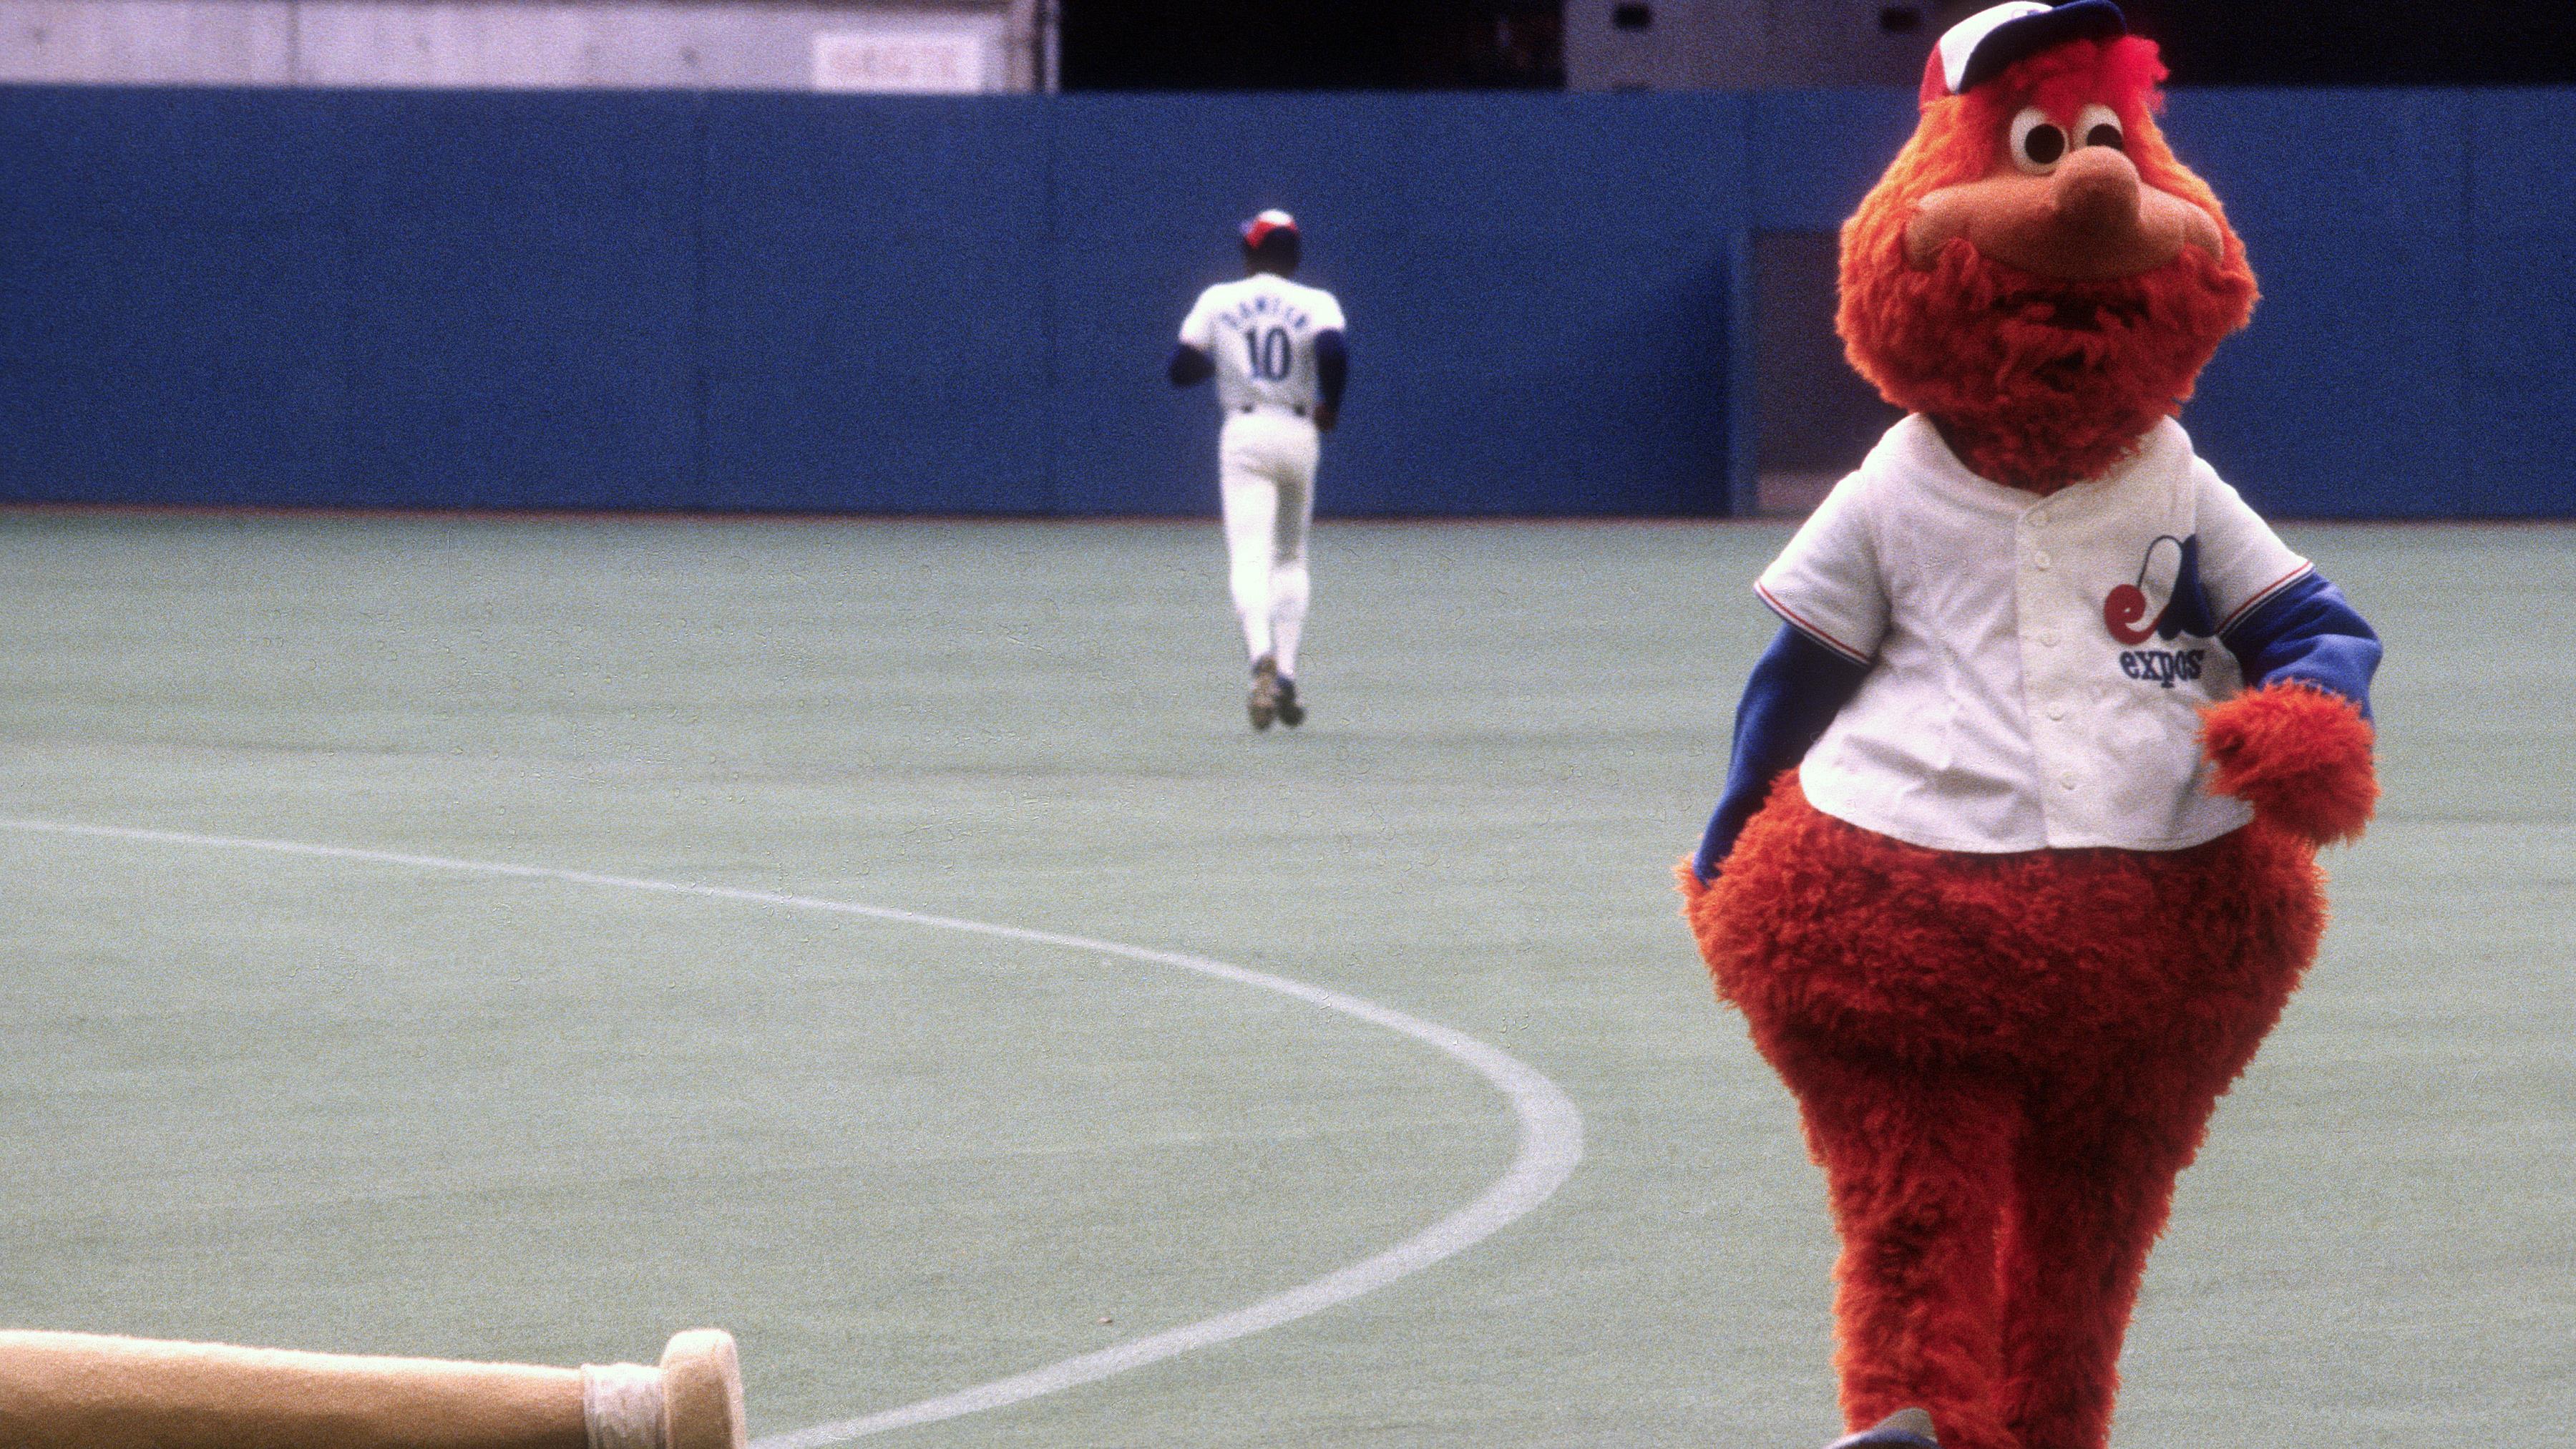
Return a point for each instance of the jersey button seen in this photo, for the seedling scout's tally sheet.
(2039, 561)
(2067, 780)
(2057, 711)
(2048, 639)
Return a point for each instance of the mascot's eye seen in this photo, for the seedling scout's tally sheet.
(2099, 126)
(2036, 142)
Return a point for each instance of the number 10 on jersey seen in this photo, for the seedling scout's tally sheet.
(1266, 354)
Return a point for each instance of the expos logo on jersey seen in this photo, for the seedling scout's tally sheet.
(2165, 602)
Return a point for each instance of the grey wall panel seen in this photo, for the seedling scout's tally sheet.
(486, 44)
(147, 42)
(1751, 44)
(710, 45)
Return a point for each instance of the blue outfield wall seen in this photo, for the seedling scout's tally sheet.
(787, 302)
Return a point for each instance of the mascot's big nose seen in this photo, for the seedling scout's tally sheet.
(2094, 194)
(2089, 219)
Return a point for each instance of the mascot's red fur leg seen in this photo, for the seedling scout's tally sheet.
(1918, 1172)
(2003, 1063)
(2093, 1183)
(2094, 1178)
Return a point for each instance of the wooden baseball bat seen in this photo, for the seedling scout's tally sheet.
(93, 1391)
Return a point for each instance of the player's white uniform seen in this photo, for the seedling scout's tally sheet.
(1260, 332)
(2040, 664)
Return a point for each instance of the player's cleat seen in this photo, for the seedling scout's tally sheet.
(1263, 703)
(1904, 1429)
(1291, 713)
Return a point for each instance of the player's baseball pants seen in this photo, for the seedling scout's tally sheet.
(1266, 470)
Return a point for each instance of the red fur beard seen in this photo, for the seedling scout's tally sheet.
(2039, 384)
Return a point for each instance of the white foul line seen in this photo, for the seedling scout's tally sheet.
(1551, 1130)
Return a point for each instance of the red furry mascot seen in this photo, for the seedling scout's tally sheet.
(2015, 864)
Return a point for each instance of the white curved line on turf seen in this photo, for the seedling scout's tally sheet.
(1551, 1130)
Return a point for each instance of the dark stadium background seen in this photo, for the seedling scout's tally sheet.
(1516, 44)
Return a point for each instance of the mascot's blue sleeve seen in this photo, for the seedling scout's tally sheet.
(2308, 632)
(1797, 688)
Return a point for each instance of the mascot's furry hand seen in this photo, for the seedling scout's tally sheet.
(2298, 755)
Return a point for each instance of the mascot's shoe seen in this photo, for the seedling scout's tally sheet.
(1263, 703)
(1904, 1429)
(1291, 713)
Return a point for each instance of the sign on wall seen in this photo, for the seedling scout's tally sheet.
(914, 60)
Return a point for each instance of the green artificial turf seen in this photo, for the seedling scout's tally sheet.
(354, 1105)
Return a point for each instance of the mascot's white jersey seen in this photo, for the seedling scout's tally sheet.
(2037, 665)
(1261, 334)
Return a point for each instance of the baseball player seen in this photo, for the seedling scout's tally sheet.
(1275, 349)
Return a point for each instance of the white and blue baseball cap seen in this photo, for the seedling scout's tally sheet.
(1979, 48)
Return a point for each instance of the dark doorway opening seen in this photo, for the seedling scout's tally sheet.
(1312, 45)
(1814, 417)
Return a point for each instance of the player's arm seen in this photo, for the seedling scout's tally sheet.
(1797, 688)
(1190, 366)
(1332, 373)
(1194, 356)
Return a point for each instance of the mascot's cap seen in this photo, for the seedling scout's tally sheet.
(1977, 49)
(1262, 227)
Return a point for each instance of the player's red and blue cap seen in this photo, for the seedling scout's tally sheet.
(1981, 47)
(1268, 224)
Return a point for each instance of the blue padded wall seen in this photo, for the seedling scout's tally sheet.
(174, 288)
(518, 329)
(788, 302)
(2345, 395)
(876, 332)
(2517, 329)
(1536, 289)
